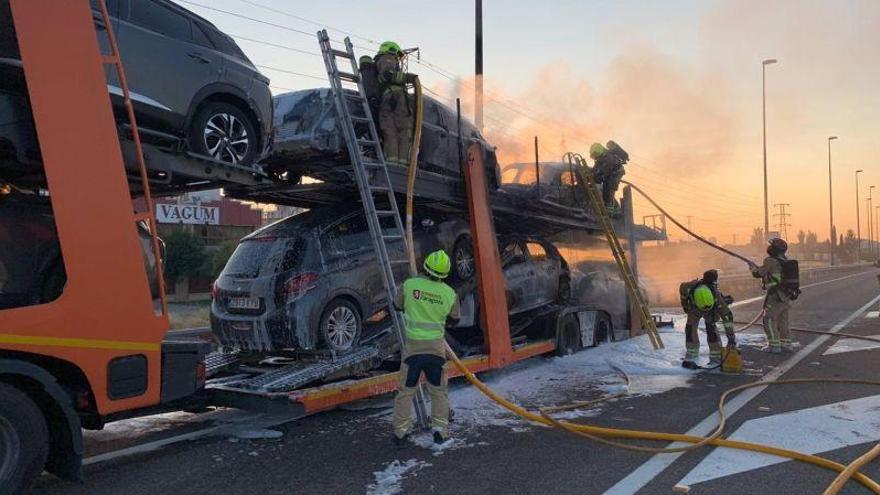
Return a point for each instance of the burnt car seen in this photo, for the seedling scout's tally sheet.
(309, 141)
(558, 185)
(219, 104)
(311, 281)
(31, 265)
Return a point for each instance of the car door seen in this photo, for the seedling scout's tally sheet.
(544, 270)
(520, 282)
(156, 40)
(349, 255)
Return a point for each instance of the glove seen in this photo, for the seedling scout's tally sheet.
(752, 266)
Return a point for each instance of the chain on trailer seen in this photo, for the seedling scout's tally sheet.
(371, 176)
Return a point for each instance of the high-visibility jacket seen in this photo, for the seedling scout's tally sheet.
(426, 306)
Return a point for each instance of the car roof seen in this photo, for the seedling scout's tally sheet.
(314, 218)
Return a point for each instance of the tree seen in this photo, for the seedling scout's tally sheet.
(184, 255)
(215, 263)
(801, 237)
(812, 238)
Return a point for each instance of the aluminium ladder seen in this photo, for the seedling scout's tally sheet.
(371, 175)
(588, 182)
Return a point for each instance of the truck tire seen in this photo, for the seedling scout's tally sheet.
(568, 335)
(24, 441)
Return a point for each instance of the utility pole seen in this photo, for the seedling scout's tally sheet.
(831, 236)
(783, 217)
(877, 236)
(859, 222)
(478, 66)
(764, 65)
(871, 219)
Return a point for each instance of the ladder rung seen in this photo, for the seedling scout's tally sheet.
(109, 59)
(398, 262)
(373, 164)
(360, 119)
(353, 96)
(339, 53)
(386, 213)
(348, 76)
(392, 237)
(380, 189)
(367, 142)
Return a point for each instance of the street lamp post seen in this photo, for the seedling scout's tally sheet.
(877, 236)
(831, 236)
(859, 222)
(764, 65)
(871, 219)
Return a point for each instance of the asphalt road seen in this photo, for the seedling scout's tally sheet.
(339, 452)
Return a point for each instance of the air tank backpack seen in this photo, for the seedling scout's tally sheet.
(791, 279)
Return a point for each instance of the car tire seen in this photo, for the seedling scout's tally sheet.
(604, 329)
(341, 325)
(463, 263)
(568, 336)
(24, 441)
(563, 292)
(225, 133)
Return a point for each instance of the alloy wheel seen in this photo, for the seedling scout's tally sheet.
(226, 138)
(342, 328)
(464, 262)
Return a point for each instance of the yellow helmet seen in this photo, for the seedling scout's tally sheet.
(597, 150)
(703, 298)
(389, 47)
(438, 264)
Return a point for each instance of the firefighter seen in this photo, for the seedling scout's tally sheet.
(778, 300)
(395, 115)
(609, 161)
(428, 304)
(702, 298)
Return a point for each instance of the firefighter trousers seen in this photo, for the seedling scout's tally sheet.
(692, 336)
(776, 325)
(411, 370)
(396, 123)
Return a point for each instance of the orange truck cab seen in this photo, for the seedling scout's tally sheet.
(96, 351)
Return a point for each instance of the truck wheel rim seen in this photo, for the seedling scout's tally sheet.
(342, 327)
(9, 448)
(226, 138)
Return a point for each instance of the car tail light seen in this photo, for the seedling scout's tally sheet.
(299, 284)
(214, 290)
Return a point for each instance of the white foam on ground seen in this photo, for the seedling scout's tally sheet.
(388, 481)
(542, 382)
(872, 314)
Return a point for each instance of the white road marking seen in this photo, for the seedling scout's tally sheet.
(643, 475)
(852, 345)
(873, 314)
(813, 430)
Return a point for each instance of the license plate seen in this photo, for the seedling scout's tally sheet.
(244, 303)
